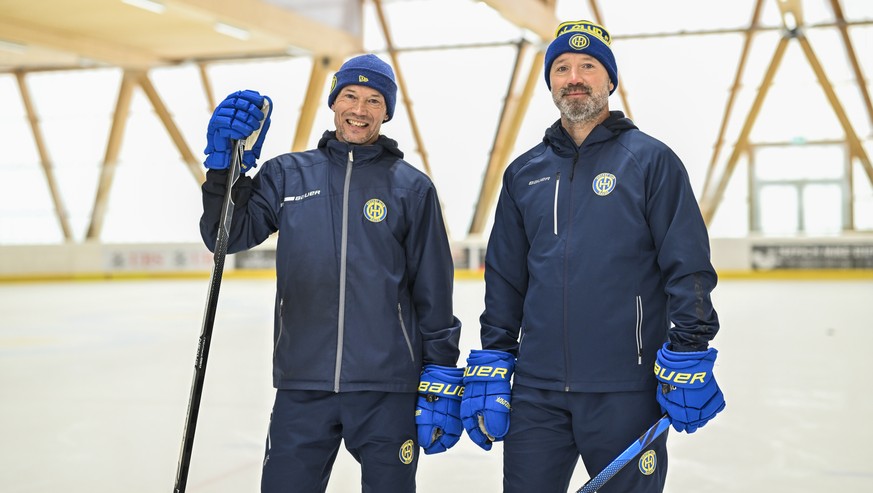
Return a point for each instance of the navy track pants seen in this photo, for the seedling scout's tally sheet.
(306, 429)
(550, 430)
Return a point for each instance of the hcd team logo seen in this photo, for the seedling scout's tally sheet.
(375, 210)
(648, 462)
(407, 452)
(603, 184)
(579, 42)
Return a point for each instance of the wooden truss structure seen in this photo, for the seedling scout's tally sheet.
(276, 29)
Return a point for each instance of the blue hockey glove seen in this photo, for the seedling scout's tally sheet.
(689, 392)
(438, 414)
(485, 405)
(240, 115)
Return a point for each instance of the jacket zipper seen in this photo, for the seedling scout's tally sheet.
(555, 206)
(639, 329)
(405, 334)
(567, 360)
(344, 242)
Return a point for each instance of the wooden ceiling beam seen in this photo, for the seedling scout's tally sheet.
(110, 160)
(711, 199)
(533, 15)
(195, 166)
(45, 161)
(511, 118)
(853, 57)
(86, 48)
(322, 67)
(734, 90)
(295, 29)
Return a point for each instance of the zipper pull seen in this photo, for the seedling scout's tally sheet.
(573, 169)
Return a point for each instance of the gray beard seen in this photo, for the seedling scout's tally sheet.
(581, 111)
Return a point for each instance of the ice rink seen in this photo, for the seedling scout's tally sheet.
(95, 378)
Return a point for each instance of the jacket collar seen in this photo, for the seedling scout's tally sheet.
(363, 153)
(558, 138)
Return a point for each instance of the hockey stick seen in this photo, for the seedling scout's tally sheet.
(623, 458)
(224, 222)
(208, 319)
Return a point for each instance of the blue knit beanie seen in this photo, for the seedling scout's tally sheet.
(366, 70)
(582, 37)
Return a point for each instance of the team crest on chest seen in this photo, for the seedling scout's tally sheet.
(603, 184)
(375, 210)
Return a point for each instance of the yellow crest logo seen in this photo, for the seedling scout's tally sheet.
(333, 84)
(603, 184)
(407, 452)
(375, 210)
(648, 462)
(361, 78)
(579, 42)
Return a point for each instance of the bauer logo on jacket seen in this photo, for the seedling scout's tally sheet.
(375, 210)
(603, 184)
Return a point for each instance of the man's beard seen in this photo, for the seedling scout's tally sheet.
(581, 111)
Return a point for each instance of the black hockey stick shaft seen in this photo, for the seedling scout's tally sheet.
(626, 456)
(218, 257)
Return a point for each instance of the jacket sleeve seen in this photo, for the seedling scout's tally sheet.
(506, 276)
(682, 243)
(255, 213)
(431, 278)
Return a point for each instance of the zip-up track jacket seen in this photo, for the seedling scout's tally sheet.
(363, 264)
(594, 251)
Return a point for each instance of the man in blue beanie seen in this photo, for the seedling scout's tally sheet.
(597, 292)
(365, 342)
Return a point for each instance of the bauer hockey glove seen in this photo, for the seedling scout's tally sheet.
(237, 117)
(485, 405)
(689, 392)
(438, 413)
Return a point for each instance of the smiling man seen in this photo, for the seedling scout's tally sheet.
(597, 273)
(365, 340)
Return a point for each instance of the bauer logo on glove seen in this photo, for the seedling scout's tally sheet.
(486, 403)
(439, 388)
(438, 413)
(679, 378)
(487, 371)
(689, 392)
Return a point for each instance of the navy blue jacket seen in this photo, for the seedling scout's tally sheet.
(594, 251)
(363, 264)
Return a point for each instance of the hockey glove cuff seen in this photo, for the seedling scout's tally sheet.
(689, 392)
(486, 402)
(438, 413)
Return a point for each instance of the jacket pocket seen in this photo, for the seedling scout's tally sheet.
(405, 333)
(638, 302)
(281, 330)
(555, 204)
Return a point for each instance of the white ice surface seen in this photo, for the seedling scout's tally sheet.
(95, 379)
